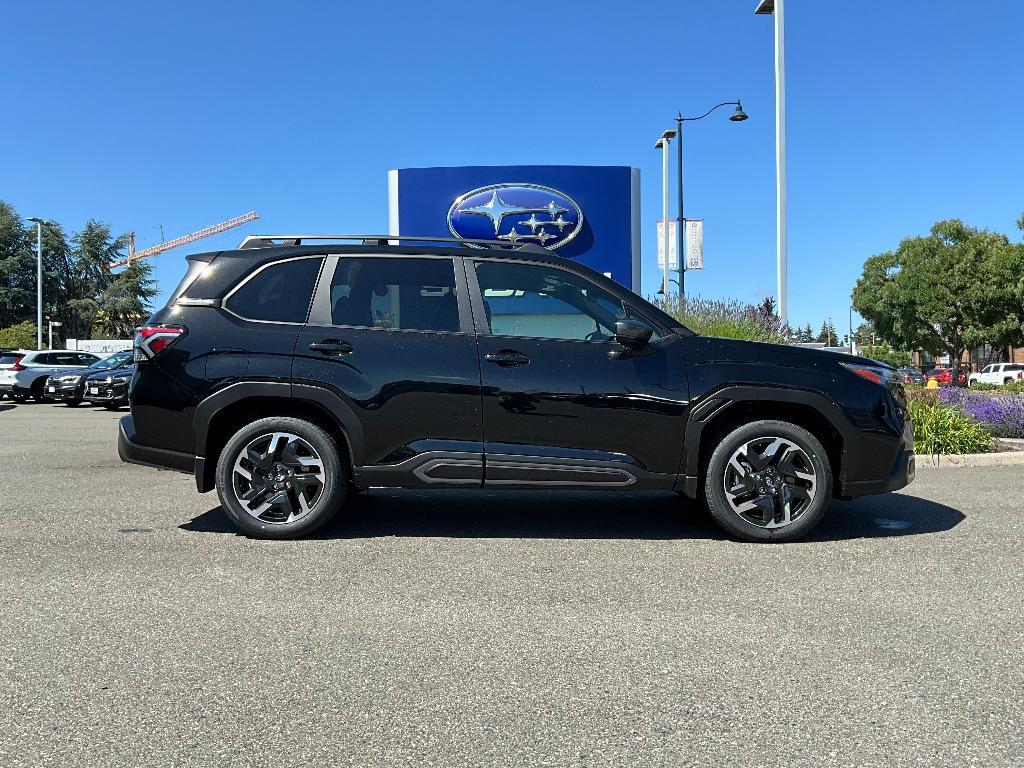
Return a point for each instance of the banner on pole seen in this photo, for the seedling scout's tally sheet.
(673, 256)
(694, 244)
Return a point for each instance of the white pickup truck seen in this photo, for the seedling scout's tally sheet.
(998, 374)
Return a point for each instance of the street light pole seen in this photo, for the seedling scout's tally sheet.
(39, 281)
(662, 144)
(664, 211)
(775, 7)
(738, 116)
(681, 222)
(53, 323)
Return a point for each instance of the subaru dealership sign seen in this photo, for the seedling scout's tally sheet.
(587, 213)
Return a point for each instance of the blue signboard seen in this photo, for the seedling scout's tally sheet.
(587, 213)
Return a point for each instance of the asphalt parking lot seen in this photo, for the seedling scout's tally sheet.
(496, 630)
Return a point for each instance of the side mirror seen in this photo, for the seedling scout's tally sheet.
(632, 334)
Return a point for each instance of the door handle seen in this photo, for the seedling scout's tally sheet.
(507, 358)
(331, 347)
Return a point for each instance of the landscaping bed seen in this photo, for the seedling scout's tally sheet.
(952, 420)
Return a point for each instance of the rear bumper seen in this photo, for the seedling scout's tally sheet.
(133, 453)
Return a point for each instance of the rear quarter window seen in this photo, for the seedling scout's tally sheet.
(277, 293)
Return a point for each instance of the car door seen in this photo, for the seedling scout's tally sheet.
(558, 409)
(391, 336)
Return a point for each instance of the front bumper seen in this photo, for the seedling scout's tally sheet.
(902, 474)
(133, 453)
(103, 392)
(61, 391)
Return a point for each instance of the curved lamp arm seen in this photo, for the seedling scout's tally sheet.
(723, 104)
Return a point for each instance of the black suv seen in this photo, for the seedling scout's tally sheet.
(288, 376)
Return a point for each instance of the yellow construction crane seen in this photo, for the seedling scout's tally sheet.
(216, 229)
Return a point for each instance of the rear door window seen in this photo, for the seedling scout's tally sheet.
(400, 293)
(277, 293)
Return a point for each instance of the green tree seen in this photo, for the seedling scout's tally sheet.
(954, 289)
(827, 334)
(88, 276)
(897, 358)
(125, 302)
(19, 336)
(17, 269)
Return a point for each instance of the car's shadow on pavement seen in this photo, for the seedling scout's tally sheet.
(572, 515)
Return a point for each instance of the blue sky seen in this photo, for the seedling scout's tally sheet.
(186, 113)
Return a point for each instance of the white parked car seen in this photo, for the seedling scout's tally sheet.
(23, 372)
(998, 374)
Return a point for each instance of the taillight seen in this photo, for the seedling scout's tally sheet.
(151, 340)
(17, 364)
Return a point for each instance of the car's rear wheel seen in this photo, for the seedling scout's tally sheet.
(768, 481)
(281, 478)
(19, 397)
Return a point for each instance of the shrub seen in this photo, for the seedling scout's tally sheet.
(729, 318)
(1015, 387)
(1001, 413)
(20, 336)
(897, 358)
(942, 428)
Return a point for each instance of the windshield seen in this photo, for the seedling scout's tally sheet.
(114, 361)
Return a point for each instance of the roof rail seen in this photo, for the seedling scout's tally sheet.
(270, 241)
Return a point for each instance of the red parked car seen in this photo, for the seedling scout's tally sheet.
(946, 376)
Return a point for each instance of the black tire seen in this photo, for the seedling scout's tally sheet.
(1007, 381)
(37, 391)
(783, 484)
(334, 480)
(72, 403)
(112, 406)
(19, 397)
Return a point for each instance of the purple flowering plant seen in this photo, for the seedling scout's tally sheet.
(1001, 414)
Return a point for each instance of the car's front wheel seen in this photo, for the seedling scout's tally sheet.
(768, 481)
(281, 478)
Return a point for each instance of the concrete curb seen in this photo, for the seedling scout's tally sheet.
(1004, 459)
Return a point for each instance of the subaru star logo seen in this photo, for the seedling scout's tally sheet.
(527, 213)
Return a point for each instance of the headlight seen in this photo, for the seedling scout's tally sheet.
(70, 379)
(120, 380)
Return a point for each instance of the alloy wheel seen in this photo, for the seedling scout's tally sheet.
(770, 482)
(278, 478)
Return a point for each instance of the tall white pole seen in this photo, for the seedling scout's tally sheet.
(39, 285)
(664, 212)
(780, 163)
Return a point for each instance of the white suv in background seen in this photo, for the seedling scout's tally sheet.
(998, 374)
(24, 372)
